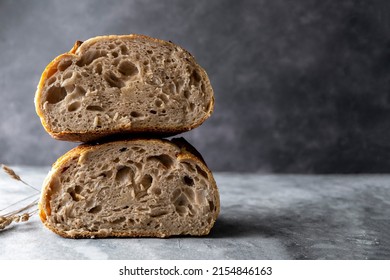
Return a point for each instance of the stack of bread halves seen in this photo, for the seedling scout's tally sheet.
(120, 95)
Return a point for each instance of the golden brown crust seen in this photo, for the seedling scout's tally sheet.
(62, 163)
(90, 136)
(75, 47)
(97, 234)
(86, 136)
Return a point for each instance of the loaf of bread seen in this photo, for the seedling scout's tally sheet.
(123, 84)
(130, 188)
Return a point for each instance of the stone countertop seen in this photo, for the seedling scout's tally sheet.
(262, 217)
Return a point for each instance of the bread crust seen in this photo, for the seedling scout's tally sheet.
(62, 162)
(91, 135)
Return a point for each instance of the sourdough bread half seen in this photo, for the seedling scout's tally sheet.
(122, 84)
(130, 188)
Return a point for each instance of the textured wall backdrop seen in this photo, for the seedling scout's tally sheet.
(300, 86)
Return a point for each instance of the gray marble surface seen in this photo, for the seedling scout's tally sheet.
(262, 217)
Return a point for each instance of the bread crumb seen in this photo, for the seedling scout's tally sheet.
(124, 120)
(45, 105)
(96, 121)
(83, 158)
(115, 116)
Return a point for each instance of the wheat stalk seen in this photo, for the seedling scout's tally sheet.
(18, 215)
(15, 176)
(22, 214)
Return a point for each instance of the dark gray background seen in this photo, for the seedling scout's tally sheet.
(300, 86)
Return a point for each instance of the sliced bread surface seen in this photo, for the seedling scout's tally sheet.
(122, 84)
(130, 188)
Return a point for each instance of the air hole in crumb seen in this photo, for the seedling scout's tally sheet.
(211, 205)
(138, 149)
(188, 166)
(114, 54)
(192, 106)
(64, 64)
(154, 81)
(123, 149)
(106, 174)
(180, 204)
(146, 182)
(172, 88)
(135, 114)
(181, 210)
(124, 49)
(112, 80)
(98, 69)
(163, 97)
(75, 196)
(95, 210)
(190, 194)
(90, 56)
(158, 212)
(116, 61)
(51, 80)
(69, 88)
(94, 108)
(78, 189)
(201, 172)
(153, 112)
(187, 94)
(80, 90)
(67, 75)
(74, 106)
(116, 160)
(156, 191)
(175, 194)
(123, 174)
(56, 94)
(203, 87)
(188, 181)
(195, 78)
(119, 220)
(127, 68)
(158, 103)
(165, 160)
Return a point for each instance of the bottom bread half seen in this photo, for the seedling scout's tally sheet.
(130, 188)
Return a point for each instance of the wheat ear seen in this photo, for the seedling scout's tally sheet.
(22, 214)
(11, 173)
(18, 215)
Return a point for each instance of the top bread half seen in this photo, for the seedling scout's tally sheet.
(123, 84)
